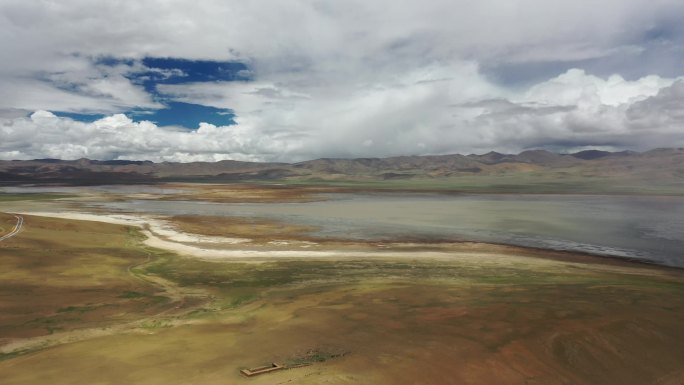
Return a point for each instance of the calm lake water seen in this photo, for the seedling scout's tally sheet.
(647, 228)
(113, 189)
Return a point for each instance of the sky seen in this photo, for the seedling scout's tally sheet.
(291, 80)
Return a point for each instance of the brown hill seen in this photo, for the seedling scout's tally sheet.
(665, 165)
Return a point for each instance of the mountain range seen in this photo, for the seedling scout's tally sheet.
(665, 165)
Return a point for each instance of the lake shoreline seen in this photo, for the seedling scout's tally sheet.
(175, 241)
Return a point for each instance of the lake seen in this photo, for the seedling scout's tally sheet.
(649, 228)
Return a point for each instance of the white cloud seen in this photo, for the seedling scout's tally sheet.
(118, 137)
(576, 87)
(78, 87)
(440, 108)
(330, 76)
(413, 117)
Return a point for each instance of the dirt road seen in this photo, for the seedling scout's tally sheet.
(15, 230)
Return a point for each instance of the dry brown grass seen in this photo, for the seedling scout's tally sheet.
(252, 228)
(403, 321)
(59, 275)
(494, 319)
(7, 223)
(396, 333)
(248, 193)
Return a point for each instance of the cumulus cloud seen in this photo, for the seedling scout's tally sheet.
(412, 118)
(441, 110)
(352, 78)
(576, 87)
(118, 137)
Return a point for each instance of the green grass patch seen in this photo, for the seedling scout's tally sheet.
(156, 324)
(240, 283)
(18, 353)
(77, 309)
(11, 197)
(239, 300)
(315, 356)
(133, 294)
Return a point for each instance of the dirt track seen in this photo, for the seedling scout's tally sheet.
(16, 229)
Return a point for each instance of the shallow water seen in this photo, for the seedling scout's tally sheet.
(647, 228)
(112, 189)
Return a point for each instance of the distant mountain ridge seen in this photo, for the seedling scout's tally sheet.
(658, 163)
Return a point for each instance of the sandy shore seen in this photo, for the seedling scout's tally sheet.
(155, 228)
(162, 235)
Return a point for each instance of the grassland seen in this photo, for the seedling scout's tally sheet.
(88, 303)
(9, 197)
(7, 223)
(58, 276)
(258, 229)
(504, 319)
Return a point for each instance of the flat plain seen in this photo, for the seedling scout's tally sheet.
(90, 302)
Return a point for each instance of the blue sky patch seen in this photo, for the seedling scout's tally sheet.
(179, 71)
(176, 114)
(198, 70)
(157, 71)
(185, 115)
(79, 117)
(111, 61)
